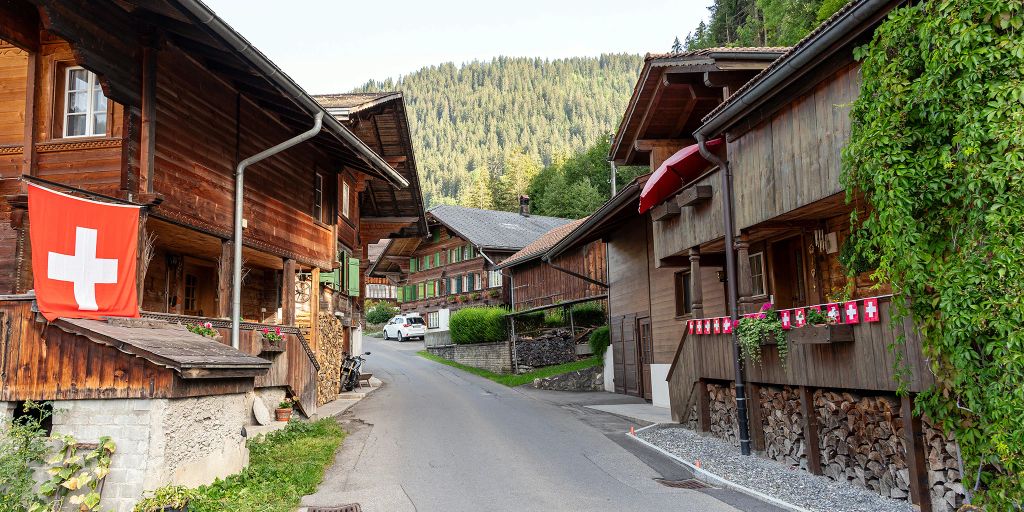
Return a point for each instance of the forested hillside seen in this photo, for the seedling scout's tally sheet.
(508, 113)
(760, 22)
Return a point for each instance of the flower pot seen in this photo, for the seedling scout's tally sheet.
(283, 414)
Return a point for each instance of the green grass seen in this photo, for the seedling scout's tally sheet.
(283, 467)
(517, 380)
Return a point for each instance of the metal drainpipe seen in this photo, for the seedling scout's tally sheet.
(730, 269)
(236, 260)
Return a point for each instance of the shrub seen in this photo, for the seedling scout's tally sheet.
(379, 312)
(599, 341)
(530, 321)
(478, 325)
(23, 445)
(589, 314)
(553, 318)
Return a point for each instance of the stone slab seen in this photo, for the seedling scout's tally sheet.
(641, 413)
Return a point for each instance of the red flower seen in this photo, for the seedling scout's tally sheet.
(265, 330)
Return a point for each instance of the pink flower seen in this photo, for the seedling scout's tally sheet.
(265, 330)
(277, 331)
(208, 325)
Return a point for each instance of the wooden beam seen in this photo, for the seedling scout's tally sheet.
(811, 444)
(288, 293)
(28, 159)
(696, 288)
(703, 406)
(224, 279)
(21, 25)
(913, 439)
(694, 196)
(754, 413)
(650, 144)
(147, 148)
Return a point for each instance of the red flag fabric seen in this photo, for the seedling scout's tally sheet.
(700, 326)
(707, 326)
(689, 326)
(871, 310)
(833, 312)
(718, 326)
(799, 317)
(850, 309)
(83, 255)
(787, 322)
(727, 325)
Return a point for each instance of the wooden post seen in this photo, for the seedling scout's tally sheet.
(28, 161)
(703, 406)
(811, 444)
(147, 149)
(696, 290)
(913, 439)
(288, 292)
(314, 308)
(754, 413)
(142, 258)
(224, 280)
(743, 270)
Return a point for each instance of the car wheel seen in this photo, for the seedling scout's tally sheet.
(401, 338)
(386, 336)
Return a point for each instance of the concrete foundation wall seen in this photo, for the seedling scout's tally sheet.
(659, 385)
(609, 371)
(495, 357)
(189, 441)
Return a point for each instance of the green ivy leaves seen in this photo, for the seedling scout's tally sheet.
(937, 150)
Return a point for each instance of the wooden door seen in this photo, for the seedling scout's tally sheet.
(787, 273)
(645, 345)
(200, 290)
(630, 357)
(618, 361)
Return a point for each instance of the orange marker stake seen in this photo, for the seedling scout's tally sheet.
(697, 463)
(632, 432)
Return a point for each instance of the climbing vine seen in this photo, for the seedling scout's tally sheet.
(937, 153)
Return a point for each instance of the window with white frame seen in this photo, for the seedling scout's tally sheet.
(758, 284)
(493, 278)
(345, 199)
(318, 197)
(433, 320)
(85, 106)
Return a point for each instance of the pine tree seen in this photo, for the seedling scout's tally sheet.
(518, 170)
(478, 194)
(677, 47)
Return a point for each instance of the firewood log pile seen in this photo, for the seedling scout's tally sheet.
(724, 423)
(783, 425)
(330, 347)
(947, 489)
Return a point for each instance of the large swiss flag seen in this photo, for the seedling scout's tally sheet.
(83, 255)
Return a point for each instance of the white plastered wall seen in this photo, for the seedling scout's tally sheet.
(659, 386)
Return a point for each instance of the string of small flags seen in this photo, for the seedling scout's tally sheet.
(848, 312)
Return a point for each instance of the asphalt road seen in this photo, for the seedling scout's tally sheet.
(434, 438)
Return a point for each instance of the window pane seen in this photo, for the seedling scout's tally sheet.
(99, 101)
(99, 124)
(78, 102)
(76, 125)
(79, 80)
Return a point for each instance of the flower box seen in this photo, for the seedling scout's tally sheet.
(821, 333)
(271, 346)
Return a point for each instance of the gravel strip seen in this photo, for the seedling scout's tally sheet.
(767, 476)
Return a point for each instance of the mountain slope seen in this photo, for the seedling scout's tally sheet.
(481, 115)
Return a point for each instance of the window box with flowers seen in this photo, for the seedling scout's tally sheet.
(205, 329)
(821, 329)
(271, 340)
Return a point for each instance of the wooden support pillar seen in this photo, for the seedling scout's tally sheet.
(22, 249)
(811, 444)
(754, 414)
(143, 255)
(147, 146)
(28, 160)
(703, 406)
(314, 308)
(743, 269)
(288, 293)
(696, 290)
(913, 439)
(224, 279)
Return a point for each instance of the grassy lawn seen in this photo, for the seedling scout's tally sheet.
(517, 380)
(283, 466)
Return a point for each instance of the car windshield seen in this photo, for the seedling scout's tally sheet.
(414, 320)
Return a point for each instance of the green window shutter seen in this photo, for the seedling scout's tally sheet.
(400, 294)
(471, 285)
(437, 235)
(412, 265)
(330, 279)
(437, 259)
(353, 277)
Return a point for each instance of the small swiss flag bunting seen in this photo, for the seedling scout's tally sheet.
(699, 326)
(851, 312)
(707, 326)
(799, 317)
(785, 316)
(727, 325)
(871, 310)
(689, 326)
(718, 326)
(832, 312)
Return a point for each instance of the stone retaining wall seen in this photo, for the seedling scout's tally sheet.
(587, 379)
(861, 439)
(554, 346)
(495, 357)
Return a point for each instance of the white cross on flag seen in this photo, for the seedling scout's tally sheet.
(700, 326)
(786, 322)
(833, 312)
(798, 317)
(850, 309)
(727, 325)
(689, 326)
(83, 255)
(871, 310)
(718, 326)
(707, 326)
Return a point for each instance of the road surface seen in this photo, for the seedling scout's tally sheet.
(434, 438)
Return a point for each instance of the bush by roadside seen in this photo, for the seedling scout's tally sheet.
(513, 380)
(478, 325)
(599, 341)
(589, 314)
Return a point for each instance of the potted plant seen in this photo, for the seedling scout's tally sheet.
(205, 329)
(284, 409)
(272, 340)
(494, 293)
(475, 296)
(763, 327)
(171, 498)
(821, 328)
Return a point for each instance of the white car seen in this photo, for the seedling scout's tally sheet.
(403, 327)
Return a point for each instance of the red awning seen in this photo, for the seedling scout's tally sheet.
(678, 169)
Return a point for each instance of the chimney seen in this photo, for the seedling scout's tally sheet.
(524, 205)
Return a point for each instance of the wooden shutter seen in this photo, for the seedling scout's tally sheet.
(437, 259)
(400, 294)
(412, 264)
(353, 277)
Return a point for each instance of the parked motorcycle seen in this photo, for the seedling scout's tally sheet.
(350, 371)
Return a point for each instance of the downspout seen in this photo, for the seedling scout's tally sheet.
(236, 240)
(731, 272)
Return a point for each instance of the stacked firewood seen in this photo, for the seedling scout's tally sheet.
(862, 441)
(947, 490)
(783, 425)
(330, 344)
(724, 423)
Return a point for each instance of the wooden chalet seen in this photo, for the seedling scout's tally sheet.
(454, 267)
(831, 409)
(155, 104)
(576, 276)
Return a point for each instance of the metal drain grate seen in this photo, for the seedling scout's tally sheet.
(684, 484)
(354, 507)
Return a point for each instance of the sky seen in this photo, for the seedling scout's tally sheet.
(333, 46)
